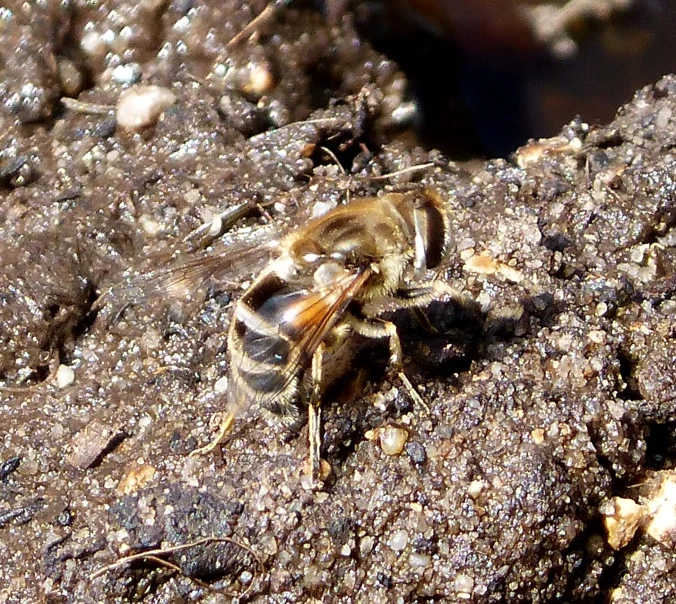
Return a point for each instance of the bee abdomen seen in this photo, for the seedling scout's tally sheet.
(264, 380)
(261, 348)
(261, 353)
(261, 368)
(264, 355)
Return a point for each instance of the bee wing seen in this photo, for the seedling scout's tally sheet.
(180, 278)
(319, 312)
(304, 324)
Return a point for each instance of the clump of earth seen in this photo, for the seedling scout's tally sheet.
(543, 469)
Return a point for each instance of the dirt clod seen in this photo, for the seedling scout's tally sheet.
(549, 376)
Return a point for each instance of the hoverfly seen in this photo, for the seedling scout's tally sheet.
(323, 282)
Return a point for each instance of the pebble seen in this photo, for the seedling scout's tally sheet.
(392, 440)
(416, 452)
(127, 74)
(398, 540)
(463, 585)
(89, 445)
(65, 376)
(259, 79)
(621, 518)
(417, 560)
(149, 225)
(662, 509)
(134, 478)
(141, 106)
(221, 385)
(475, 487)
(538, 436)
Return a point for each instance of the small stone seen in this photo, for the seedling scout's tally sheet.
(662, 118)
(392, 439)
(91, 443)
(193, 196)
(475, 487)
(510, 273)
(151, 339)
(257, 79)
(417, 560)
(538, 436)
(65, 376)
(463, 585)
(150, 226)
(482, 264)
(145, 421)
(70, 77)
(621, 517)
(398, 540)
(126, 74)
(320, 208)
(416, 452)
(141, 106)
(325, 469)
(662, 509)
(221, 385)
(597, 336)
(134, 478)
(366, 545)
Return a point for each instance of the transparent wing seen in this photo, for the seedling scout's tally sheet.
(305, 322)
(318, 313)
(181, 277)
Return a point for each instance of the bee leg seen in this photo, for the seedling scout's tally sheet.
(226, 426)
(314, 432)
(379, 328)
(423, 320)
(397, 364)
(316, 469)
(410, 297)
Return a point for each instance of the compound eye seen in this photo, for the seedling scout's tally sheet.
(430, 236)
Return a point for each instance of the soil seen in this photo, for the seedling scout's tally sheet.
(550, 377)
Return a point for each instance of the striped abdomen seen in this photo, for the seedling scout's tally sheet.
(275, 331)
(262, 347)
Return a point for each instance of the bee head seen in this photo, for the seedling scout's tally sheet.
(424, 212)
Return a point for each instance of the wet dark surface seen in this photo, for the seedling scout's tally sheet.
(550, 380)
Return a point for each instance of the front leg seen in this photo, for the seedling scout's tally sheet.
(413, 297)
(379, 328)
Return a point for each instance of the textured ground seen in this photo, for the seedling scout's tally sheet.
(550, 381)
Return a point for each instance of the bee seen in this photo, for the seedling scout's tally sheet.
(292, 330)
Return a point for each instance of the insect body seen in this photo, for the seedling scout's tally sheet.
(332, 277)
(324, 282)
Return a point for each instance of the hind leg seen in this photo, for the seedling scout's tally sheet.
(317, 469)
(226, 425)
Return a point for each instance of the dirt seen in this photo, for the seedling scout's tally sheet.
(550, 379)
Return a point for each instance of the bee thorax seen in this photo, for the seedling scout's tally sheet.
(328, 273)
(284, 267)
